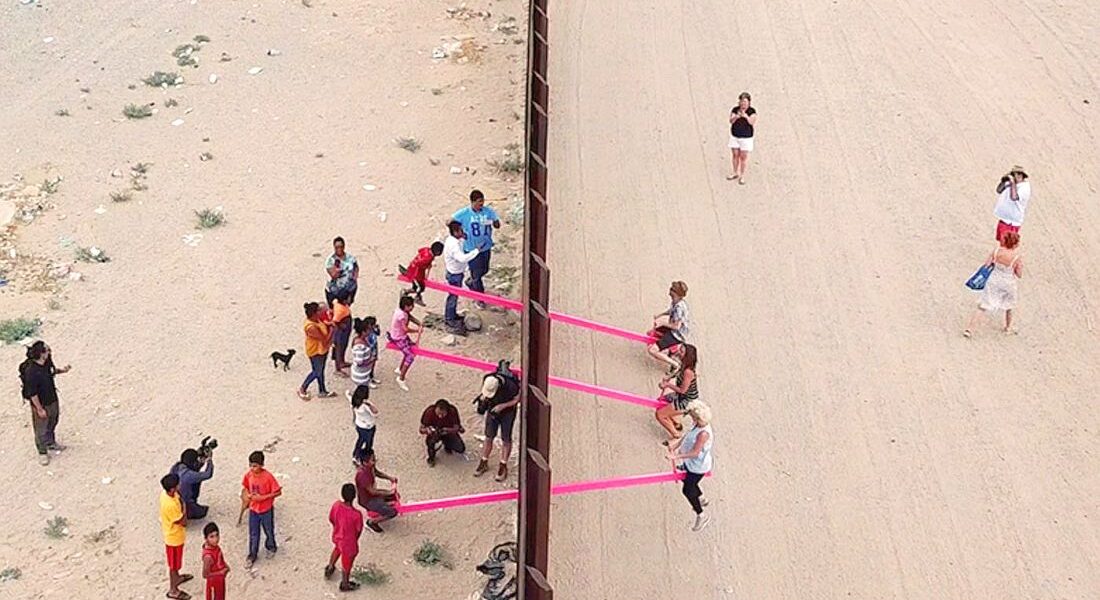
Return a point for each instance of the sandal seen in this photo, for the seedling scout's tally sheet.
(180, 595)
(185, 577)
(304, 396)
(330, 570)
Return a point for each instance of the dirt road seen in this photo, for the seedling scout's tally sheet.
(864, 448)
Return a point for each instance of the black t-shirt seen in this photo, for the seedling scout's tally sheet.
(741, 128)
(38, 381)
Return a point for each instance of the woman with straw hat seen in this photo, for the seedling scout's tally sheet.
(692, 453)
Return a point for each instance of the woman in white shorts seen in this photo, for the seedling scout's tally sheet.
(742, 120)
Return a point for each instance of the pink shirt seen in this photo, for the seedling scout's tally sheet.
(397, 327)
(347, 524)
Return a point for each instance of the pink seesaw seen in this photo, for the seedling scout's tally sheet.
(561, 382)
(560, 489)
(517, 306)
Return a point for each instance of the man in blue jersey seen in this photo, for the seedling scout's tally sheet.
(478, 222)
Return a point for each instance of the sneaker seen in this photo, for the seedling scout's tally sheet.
(701, 521)
(502, 472)
(330, 570)
(249, 562)
(704, 502)
(375, 527)
(482, 468)
(401, 384)
(350, 586)
(327, 395)
(431, 461)
(375, 381)
(56, 447)
(397, 370)
(372, 384)
(420, 301)
(270, 553)
(43, 459)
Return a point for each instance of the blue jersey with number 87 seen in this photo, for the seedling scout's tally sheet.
(478, 227)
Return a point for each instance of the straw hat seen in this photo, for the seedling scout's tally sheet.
(1018, 169)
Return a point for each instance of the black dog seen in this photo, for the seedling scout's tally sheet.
(277, 357)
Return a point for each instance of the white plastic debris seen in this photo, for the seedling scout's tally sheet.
(177, 122)
(45, 506)
(213, 78)
(106, 480)
(370, 187)
(48, 40)
(456, 170)
(100, 210)
(255, 70)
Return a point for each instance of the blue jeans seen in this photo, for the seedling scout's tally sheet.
(316, 373)
(450, 308)
(364, 444)
(479, 266)
(255, 522)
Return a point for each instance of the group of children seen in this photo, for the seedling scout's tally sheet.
(259, 489)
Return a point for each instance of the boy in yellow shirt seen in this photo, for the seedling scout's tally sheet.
(172, 522)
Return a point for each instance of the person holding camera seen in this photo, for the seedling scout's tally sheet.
(195, 466)
(440, 424)
(498, 401)
(1013, 194)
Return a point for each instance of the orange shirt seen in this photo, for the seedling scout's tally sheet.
(340, 312)
(316, 345)
(262, 483)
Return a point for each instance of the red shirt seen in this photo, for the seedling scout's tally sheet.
(418, 269)
(364, 481)
(262, 483)
(430, 419)
(218, 563)
(347, 524)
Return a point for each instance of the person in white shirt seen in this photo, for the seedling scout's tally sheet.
(1013, 194)
(455, 262)
(364, 414)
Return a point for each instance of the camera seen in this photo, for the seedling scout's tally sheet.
(207, 446)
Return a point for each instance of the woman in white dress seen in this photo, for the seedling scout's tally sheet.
(1000, 291)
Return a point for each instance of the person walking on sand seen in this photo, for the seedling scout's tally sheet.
(742, 130)
(671, 327)
(364, 415)
(455, 262)
(347, 526)
(318, 332)
(692, 453)
(364, 352)
(1000, 292)
(401, 326)
(1013, 194)
(478, 221)
(37, 373)
(678, 392)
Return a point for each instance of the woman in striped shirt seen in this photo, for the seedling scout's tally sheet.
(678, 392)
(364, 352)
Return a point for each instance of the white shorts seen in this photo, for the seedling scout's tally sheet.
(742, 144)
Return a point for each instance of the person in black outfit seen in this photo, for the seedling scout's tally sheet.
(742, 120)
(499, 397)
(37, 374)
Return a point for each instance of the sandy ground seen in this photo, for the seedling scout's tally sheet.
(864, 448)
(169, 341)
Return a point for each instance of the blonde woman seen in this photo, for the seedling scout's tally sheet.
(1000, 291)
(692, 454)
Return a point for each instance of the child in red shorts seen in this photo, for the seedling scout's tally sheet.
(172, 523)
(418, 269)
(214, 568)
(347, 525)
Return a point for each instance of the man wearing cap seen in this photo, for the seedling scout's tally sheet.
(500, 393)
(1013, 194)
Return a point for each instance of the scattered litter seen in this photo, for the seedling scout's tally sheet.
(273, 52)
(74, 276)
(449, 340)
(286, 286)
(106, 480)
(116, 173)
(192, 239)
(48, 40)
(100, 210)
(382, 216)
(433, 161)
(362, 163)
(370, 187)
(177, 122)
(213, 78)
(295, 459)
(456, 170)
(255, 70)
(45, 506)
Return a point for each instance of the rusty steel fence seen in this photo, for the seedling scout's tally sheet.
(534, 466)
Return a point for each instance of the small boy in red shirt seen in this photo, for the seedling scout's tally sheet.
(347, 525)
(418, 269)
(214, 568)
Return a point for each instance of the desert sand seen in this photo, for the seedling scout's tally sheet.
(170, 341)
(864, 448)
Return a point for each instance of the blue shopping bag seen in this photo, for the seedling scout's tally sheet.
(978, 279)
